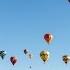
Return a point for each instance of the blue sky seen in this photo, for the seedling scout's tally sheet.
(23, 24)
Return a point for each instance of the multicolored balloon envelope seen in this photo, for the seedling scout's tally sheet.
(44, 55)
(13, 60)
(48, 37)
(66, 59)
(2, 54)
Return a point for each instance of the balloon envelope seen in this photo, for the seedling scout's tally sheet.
(25, 51)
(66, 59)
(48, 37)
(44, 55)
(13, 60)
(2, 54)
(30, 55)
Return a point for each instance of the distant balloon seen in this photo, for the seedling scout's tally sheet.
(30, 55)
(2, 54)
(13, 60)
(66, 58)
(30, 67)
(44, 55)
(25, 51)
(48, 38)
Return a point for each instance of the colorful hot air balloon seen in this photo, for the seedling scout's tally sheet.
(44, 55)
(2, 54)
(13, 60)
(66, 58)
(48, 37)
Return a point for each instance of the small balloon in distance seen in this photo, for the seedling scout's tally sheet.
(13, 60)
(69, 1)
(2, 54)
(25, 51)
(48, 37)
(66, 59)
(44, 55)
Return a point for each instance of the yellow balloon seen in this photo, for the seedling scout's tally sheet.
(44, 55)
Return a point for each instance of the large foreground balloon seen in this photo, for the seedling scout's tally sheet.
(2, 54)
(48, 37)
(66, 59)
(13, 60)
(44, 55)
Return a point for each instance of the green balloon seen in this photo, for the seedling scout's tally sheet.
(2, 54)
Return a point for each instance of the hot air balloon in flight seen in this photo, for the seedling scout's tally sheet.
(29, 56)
(25, 51)
(13, 60)
(2, 54)
(48, 38)
(66, 59)
(44, 55)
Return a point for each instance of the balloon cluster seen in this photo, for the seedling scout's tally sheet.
(44, 55)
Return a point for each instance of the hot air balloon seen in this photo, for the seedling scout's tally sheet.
(66, 58)
(25, 51)
(29, 56)
(44, 55)
(2, 54)
(48, 38)
(13, 60)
